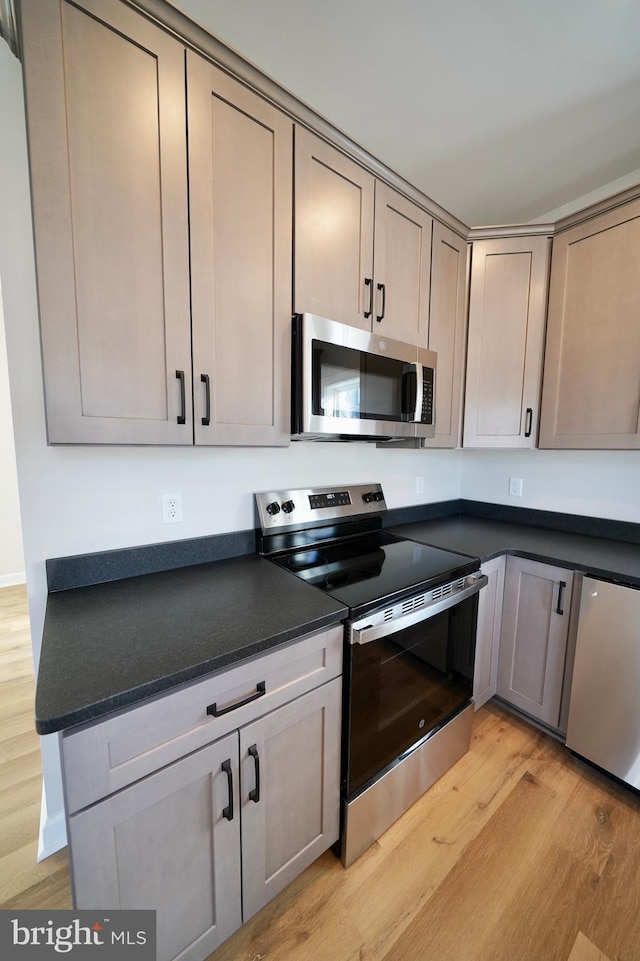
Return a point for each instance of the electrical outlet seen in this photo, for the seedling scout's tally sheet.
(419, 485)
(171, 508)
(515, 486)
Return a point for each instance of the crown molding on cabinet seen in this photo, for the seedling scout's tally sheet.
(193, 35)
(511, 230)
(594, 210)
(200, 40)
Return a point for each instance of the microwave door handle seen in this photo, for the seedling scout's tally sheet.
(412, 409)
(417, 411)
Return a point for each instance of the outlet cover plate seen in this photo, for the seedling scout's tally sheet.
(515, 486)
(171, 508)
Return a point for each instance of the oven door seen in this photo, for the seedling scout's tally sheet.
(405, 679)
(348, 382)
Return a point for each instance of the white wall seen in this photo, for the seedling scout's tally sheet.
(11, 553)
(77, 500)
(594, 483)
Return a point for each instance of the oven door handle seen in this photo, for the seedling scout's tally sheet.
(372, 632)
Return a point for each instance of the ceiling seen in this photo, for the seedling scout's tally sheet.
(500, 110)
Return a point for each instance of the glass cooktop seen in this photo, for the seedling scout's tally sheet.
(369, 571)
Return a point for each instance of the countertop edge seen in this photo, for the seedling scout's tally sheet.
(136, 695)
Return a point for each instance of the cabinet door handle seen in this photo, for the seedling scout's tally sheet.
(368, 282)
(561, 587)
(528, 424)
(228, 811)
(182, 417)
(206, 420)
(261, 689)
(255, 794)
(383, 288)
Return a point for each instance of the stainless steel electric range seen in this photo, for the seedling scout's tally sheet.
(409, 644)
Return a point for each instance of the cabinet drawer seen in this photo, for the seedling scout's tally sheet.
(103, 756)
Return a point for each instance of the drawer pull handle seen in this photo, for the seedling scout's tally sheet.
(561, 587)
(255, 794)
(228, 811)
(261, 689)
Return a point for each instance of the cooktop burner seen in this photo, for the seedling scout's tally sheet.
(333, 538)
(365, 572)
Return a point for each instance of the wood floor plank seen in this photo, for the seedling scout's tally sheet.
(19, 870)
(19, 827)
(424, 846)
(585, 950)
(21, 794)
(51, 892)
(614, 924)
(550, 900)
(460, 916)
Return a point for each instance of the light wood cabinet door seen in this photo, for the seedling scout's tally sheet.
(401, 268)
(485, 674)
(109, 190)
(292, 758)
(447, 331)
(171, 843)
(333, 233)
(240, 175)
(533, 640)
(507, 305)
(591, 388)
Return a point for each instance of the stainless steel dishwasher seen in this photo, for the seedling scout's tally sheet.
(604, 709)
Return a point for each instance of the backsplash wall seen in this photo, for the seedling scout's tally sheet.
(593, 483)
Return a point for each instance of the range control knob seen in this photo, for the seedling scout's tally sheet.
(368, 497)
(273, 508)
(378, 496)
(288, 506)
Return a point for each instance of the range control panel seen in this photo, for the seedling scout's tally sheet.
(310, 506)
(319, 502)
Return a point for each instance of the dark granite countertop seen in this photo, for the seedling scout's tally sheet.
(109, 645)
(485, 538)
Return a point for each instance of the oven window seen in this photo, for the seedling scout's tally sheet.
(403, 687)
(353, 384)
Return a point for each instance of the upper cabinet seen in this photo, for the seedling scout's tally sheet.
(109, 189)
(110, 163)
(447, 331)
(507, 305)
(591, 396)
(240, 175)
(362, 251)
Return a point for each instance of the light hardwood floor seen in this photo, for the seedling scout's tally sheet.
(519, 853)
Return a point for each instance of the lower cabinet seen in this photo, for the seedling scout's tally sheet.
(170, 843)
(485, 674)
(289, 783)
(533, 639)
(207, 840)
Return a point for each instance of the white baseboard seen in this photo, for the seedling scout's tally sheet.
(10, 580)
(53, 832)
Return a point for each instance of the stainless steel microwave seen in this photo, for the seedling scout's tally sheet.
(350, 384)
